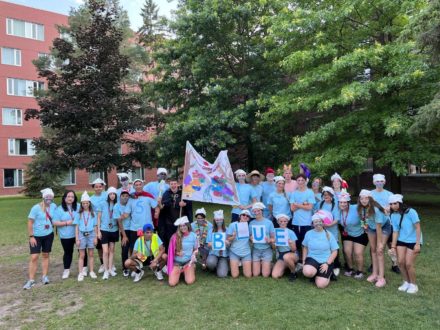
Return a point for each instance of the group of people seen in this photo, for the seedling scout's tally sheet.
(157, 231)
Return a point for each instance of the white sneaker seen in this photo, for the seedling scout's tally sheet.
(336, 271)
(159, 275)
(84, 271)
(101, 269)
(112, 272)
(138, 276)
(133, 274)
(66, 274)
(404, 286)
(105, 276)
(165, 269)
(93, 275)
(80, 277)
(412, 288)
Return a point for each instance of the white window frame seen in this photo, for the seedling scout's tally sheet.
(132, 173)
(12, 151)
(17, 55)
(30, 87)
(94, 175)
(18, 117)
(31, 30)
(18, 176)
(70, 179)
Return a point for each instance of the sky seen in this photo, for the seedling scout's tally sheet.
(133, 7)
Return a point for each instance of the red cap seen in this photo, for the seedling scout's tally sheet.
(270, 170)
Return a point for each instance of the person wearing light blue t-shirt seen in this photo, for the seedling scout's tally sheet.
(319, 252)
(407, 240)
(287, 256)
(254, 178)
(128, 237)
(97, 200)
(268, 188)
(240, 248)
(278, 202)
(158, 187)
(316, 188)
(217, 259)
(40, 230)
(245, 195)
(140, 208)
(64, 218)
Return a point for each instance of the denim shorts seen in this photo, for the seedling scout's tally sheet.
(262, 255)
(386, 229)
(86, 242)
(234, 257)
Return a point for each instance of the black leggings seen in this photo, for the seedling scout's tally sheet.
(68, 244)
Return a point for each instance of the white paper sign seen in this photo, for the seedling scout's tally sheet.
(259, 234)
(242, 230)
(219, 241)
(281, 237)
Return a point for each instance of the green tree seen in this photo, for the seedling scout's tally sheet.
(153, 25)
(355, 80)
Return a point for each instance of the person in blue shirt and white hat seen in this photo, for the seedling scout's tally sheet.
(40, 230)
(158, 187)
(97, 201)
(218, 260)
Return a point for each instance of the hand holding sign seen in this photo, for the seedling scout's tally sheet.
(219, 241)
(281, 237)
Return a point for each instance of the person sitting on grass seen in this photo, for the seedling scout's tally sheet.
(148, 251)
(287, 256)
(217, 260)
(182, 253)
(86, 233)
(201, 227)
(41, 236)
(320, 249)
(407, 239)
(240, 248)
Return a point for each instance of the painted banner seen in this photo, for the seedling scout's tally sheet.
(206, 182)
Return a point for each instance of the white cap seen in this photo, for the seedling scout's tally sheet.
(98, 181)
(316, 217)
(378, 177)
(140, 180)
(47, 192)
(161, 170)
(181, 221)
(282, 215)
(112, 190)
(336, 176)
(279, 178)
(258, 205)
(85, 197)
(201, 211)
(365, 193)
(240, 171)
(344, 197)
(122, 175)
(329, 190)
(396, 198)
(325, 216)
(245, 212)
(218, 214)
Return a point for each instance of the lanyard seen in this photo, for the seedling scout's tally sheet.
(70, 213)
(86, 221)
(48, 217)
(344, 221)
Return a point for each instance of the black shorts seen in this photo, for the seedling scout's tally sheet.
(140, 264)
(312, 262)
(99, 244)
(109, 237)
(408, 245)
(281, 255)
(44, 244)
(362, 239)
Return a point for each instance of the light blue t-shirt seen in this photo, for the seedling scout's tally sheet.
(292, 237)
(319, 247)
(280, 204)
(216, 252)
(240, 247)
(318, 199)
(64, 216)
(42, 225)
(97, 201)
(86, 221)
(189, 244)
(118, 211)
(147, 246)
(351, 221)
(302, 217)
(108, 220)
(257, 192)
(407, 232)
(244, 191)
(154, 188)
(381, 197)
(268, 188)
(269, 230)
(379, 217)
(140, 210)
(335, 213)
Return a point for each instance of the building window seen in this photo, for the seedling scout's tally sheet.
(12, 117)
(369, 163)
(95, 175)
(137, 173)
(21, 87)
(12, 178)
(70, 178)
(24, 29)
(11, 56)
(21, 147)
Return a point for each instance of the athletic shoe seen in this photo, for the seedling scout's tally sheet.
(101, 269)
(84, 271)
(165, 269)
(372, 278)
(381, 283)
(112, 272)
(93, 275)
(404, 286)
(336, 271)
(29, 284)
(80, 277)
(66, 274)
(105, 276)
(333, 277)
(412, 288)
(359, 275)
(126, 273)
(138, 276)
(395, 269)
(45, 279)
(133, 274)
(292, 277)
(348, 273)
(159, 275)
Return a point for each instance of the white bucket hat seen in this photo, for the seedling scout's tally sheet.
(181, 221)
(85, 197)
(395, 198)
(47, 192)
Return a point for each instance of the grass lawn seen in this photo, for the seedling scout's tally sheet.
(210, 302)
